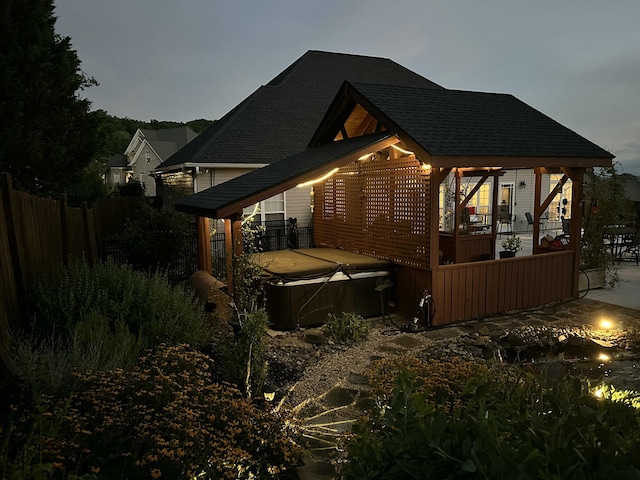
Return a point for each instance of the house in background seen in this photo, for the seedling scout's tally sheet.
(145, 152)
(275, 121)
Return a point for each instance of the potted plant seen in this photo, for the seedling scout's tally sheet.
(510, 246)
(605, 207)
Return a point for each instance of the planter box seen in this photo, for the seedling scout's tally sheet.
(591, 279)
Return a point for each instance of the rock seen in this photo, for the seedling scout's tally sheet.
(315, 336)
(481, 342)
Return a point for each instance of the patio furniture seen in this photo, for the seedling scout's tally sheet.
(530, 222)
(505, 222)
(620, 240)
(633, 249)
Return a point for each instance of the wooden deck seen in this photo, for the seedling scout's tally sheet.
(480, 289)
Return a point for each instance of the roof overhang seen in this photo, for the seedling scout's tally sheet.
(514, 162)
(231, 197)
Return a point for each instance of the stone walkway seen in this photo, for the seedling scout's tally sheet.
(328, 413)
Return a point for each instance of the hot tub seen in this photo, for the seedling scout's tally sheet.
(305, 285)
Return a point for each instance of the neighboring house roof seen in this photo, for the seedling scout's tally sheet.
(118, 161)
(279, 118)
(233, 195)
(460, 128)
(179, 136)
(164, 142)
(456, 123)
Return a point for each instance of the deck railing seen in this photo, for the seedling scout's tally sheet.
(481, 289)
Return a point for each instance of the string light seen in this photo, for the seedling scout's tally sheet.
(319, 179)
(402, 150)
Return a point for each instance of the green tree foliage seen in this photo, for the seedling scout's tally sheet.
(605, 206)
(157, 238)
(47, 131)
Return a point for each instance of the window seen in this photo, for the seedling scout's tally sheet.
(271, 209)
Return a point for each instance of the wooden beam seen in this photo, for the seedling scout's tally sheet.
(232, 208)
(228, 249)
(204, 244)
(557, 189)
(575, 229)
(473, 191)
(232, 244)
(517, 162)
(537, 210)
(366, 126)
(437, 176)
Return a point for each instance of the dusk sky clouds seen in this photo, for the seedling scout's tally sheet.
(578, 61)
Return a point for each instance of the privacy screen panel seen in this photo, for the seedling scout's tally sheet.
(377, 207)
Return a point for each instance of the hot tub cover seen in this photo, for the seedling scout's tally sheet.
(316, 262)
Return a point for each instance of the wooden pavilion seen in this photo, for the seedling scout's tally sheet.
(378, 160)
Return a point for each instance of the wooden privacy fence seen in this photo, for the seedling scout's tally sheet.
(480, 289)
(38, 235)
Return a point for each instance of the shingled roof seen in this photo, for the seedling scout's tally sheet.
(245, 190)
(453, 126)
(457, 123)
(279, 119)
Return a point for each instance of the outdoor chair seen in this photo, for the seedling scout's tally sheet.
(530, 222)
(505, 221)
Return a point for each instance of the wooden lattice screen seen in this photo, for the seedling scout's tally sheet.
(377, 207)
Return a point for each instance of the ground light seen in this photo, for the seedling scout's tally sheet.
(606, 324)
(269, 393)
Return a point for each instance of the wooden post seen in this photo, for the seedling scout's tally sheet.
(575, 229)
(232, 244)
(537, 211)
(62, 203)
(6, 190)
(88, 251)
(228, 249)
(12, 298)
(204, 244)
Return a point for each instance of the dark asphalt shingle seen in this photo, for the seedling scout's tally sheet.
(279, 118)
(463, 123)
(209, 201)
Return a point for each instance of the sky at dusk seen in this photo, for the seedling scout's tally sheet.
(577, 61)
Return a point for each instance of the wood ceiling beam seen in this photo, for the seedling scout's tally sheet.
(517, 162)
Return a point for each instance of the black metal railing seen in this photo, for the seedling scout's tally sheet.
(278, 235)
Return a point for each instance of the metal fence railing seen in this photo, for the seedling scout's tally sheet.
(275, 236)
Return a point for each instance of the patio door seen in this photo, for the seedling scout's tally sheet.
(507, 198)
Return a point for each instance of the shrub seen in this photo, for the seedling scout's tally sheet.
(345, 328)
(248, 287)
(243, 355)
(45, 363)
(102, 317)
(146, 303)
(163, 418)
(509, 424)
(157, 239)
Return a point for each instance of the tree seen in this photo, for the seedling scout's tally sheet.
(605, 205)
(48, 134)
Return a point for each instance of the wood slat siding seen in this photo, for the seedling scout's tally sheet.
(481, 289)
(37, 235)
